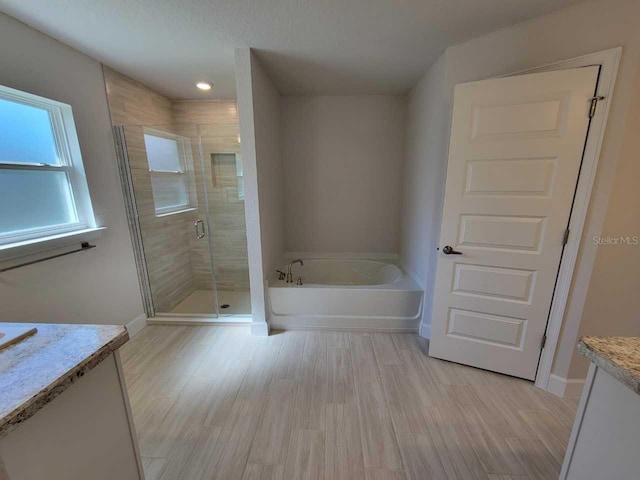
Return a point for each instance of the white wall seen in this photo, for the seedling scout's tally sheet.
(583, 28)
(267, 113)
(343, 162)
(259, 112)
(99, 285)
(425, 166)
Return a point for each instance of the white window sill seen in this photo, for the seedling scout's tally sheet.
(43, 244)
(177, 212)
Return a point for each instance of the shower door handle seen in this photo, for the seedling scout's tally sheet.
(200, 233)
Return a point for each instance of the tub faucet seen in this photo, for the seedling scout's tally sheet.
(291, 264)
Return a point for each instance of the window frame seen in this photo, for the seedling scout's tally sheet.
(70, 162)
(186, 173)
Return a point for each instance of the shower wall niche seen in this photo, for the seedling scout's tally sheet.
(186, 174)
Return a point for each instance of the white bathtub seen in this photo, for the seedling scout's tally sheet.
(348, 294)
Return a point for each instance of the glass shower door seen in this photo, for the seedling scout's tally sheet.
(223, 179)
(170, 207)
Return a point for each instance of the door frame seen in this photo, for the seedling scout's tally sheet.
(609, 61)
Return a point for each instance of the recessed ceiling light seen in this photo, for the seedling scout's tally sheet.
(204, 85)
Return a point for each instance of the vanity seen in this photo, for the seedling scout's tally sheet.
(605, 440)
(64, 408)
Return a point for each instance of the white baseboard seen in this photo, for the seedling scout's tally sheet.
(425, 331)
(565, 387)
(137, 324)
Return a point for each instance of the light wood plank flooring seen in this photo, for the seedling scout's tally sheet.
(217, 403)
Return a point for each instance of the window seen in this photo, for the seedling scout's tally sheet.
(43, 189)
(171, 170)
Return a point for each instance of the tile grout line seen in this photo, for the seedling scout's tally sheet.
(386, 403)
(286, 460)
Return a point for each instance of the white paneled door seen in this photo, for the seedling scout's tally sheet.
(514, 158)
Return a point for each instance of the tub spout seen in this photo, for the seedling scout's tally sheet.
(291, 264)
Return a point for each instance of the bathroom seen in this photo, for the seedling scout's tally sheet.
(181, 170)
(269, 286)
(336, 196)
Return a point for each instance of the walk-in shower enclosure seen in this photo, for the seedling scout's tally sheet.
(184, 193)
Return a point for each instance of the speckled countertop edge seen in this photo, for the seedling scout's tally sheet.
(618, 356)
(116, 336)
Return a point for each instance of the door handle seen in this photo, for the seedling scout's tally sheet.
(199, 233)
(448, 250)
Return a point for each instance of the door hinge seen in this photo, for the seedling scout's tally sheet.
(594, 104)
(543, 342)
(565, 237)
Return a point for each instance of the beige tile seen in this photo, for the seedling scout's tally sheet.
(365, 369)
(272, 438)
(491, 447)
(419, 457)
(422, 376)
(344, 459)
(452, 444)
(311, 399)
(421, 418)
(536, 460)
(255, 471)
(553, 434)
(152, 411)
(340, 381)
(507, 477)
(403, 400)
(157, 440)
(306, 456)
(315, 347)
(290, 357)
(181, 449)
(152, 467)
(337, 339)
(378, 437)
(214, 407)
(260, 373)
(231, 452)
(200, 463)
(385, 349)
(379, 474)
(409, 341)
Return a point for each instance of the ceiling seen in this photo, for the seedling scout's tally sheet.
(307, 46)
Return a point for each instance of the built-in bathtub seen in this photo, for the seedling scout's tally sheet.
(349, 294)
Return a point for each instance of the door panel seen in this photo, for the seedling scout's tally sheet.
(526, 176)
(488, 282)
(514, 157)
(482, 327)
(498, 232)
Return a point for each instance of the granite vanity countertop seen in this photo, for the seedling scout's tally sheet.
(39, 368)
(619, 356)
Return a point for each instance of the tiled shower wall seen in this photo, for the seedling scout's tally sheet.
(165, 239)
(219, 130)
(179, 263)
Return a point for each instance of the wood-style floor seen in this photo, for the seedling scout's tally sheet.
(217, 403)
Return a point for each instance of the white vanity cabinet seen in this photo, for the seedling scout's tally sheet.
(64, 411)
(605, 440)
